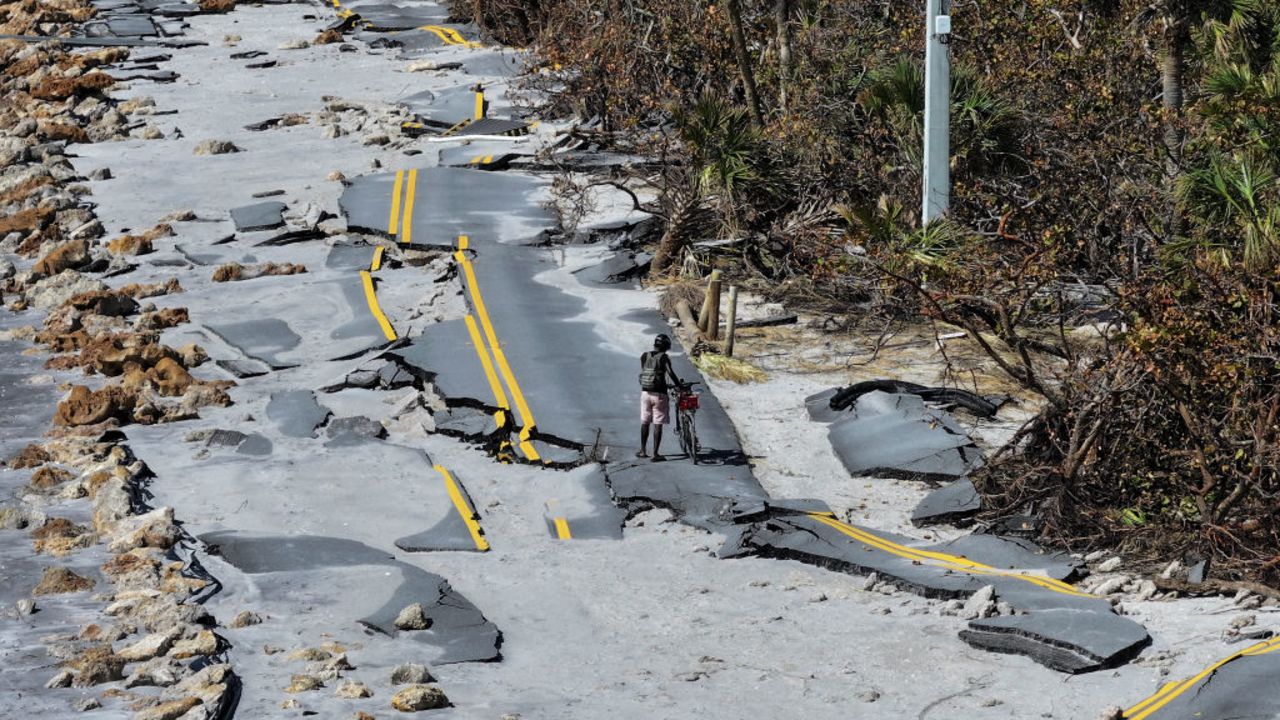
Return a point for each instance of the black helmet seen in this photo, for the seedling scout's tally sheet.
(662, 342)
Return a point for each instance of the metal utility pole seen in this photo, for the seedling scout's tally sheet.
(937, 111)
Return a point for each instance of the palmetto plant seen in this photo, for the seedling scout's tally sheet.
(1237, 202)
(985, 129)
(725, 147)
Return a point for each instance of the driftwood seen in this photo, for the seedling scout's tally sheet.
(767, 322)
(1215, 587)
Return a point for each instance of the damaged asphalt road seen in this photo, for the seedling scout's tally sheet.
(437, 314)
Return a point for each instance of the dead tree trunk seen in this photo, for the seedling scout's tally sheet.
(744, 62)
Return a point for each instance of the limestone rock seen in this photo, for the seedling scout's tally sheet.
(215, 147)
(204, 643)
(412, 618)
(96, 665)
(153, 529)
(412, 674)
(303, 683)
(244, 619)
(153, 645)
(74, 254)
(353, 690)
(419, 697)
(168, 711)
(61, 680)
(61, 580)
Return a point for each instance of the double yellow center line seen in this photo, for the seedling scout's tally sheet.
(944, 560)
(400, 220)
(1147, 707)
(450, 36)
(487, 346)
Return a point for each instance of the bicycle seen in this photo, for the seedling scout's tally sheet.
(686, 408)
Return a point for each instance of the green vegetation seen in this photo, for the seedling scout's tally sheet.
(1125, 148)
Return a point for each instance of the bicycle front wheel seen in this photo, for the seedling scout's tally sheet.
(688, 437)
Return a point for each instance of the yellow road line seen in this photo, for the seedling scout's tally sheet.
(477, 299)
(499, 395)
(464, 509)
(1172, 690)
(376, 263)
(562, 529)
(953, 562)
(406, 225)
(378, 315)
(393, 221)
(440, 33)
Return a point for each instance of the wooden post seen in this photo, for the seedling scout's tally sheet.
(731, 321)
(706, 304)
(686, 318)
(713, 313)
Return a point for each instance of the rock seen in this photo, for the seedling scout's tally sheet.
(88, 231)
(328, 37)
(74, 254)
(412, 618)
(244, 619)
(86, 407)
(61, 680)
(86, 704)
(379, 139)
(151, 132)
(168, 711)
(130, 245)
(1113, 712)
(102, 173)
(868, 696)
(303, 683)
(1111, 585)
(153, 529)
(52, 292)
(353, 690)
(411, 674)
(25, 606)
(204, 643)
(310, 655)
(1110, 565)
(422, 65)
(153, 645)
(335, 176)
(1243, 621)
(298, 44)
(419, 697)
(57, 581)
(981, 604)
(215, 147)
(97, 665)
(1146, 590)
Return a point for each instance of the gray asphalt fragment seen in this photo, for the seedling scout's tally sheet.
(457, 628)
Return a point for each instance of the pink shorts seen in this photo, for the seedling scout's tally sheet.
(654, 407)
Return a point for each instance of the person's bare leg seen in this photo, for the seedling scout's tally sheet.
(644, 439)
(657, 442)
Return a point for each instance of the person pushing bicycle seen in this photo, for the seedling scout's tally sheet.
(655, 368)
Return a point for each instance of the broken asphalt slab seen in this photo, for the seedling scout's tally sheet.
(1055, 625)
(897, 436)
(457, 628)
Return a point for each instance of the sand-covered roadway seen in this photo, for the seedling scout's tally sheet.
(377, 454)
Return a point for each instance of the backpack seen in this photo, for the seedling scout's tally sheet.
(651, 379)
